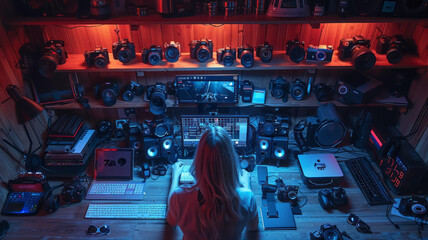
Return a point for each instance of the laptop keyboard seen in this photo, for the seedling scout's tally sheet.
(126, 211)
(115, 190)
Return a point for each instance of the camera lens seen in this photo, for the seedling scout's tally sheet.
(247, 59)
(297, 91)
(172, 54)
(109, 97)
(363, 58)
(203, 53)
(278, 92)
(332, 234)
(297, 53)
(157, 102)
(228, 59)
(154, 58)
(320, 55)
(265, 55)
(47, 64)
(100, 61)
(124, 55)
(128, 95)
(394, 55)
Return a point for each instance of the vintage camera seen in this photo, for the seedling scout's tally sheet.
(172, 51)
(108, 91)
(124, 51)
(297, 90)
(53, 53)
(132, 89)
(322, 53)
(286, 193)
(152, 55)
(98, 57)
(358, 49)
(393, 47)
(157, 95)
(279, 88)
(226, 55)
(327, 232)
(264, 52)
(332, 198)
(163, 127)
(246, 54)
(201, 50)
(296, 50)
(246, 91)
(414, 206)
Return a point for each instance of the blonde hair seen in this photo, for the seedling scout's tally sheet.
(216, 169)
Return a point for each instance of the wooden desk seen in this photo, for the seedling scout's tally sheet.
(69, 222)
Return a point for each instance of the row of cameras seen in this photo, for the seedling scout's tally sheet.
(357, 49)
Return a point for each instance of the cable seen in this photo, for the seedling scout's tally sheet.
(388, 209)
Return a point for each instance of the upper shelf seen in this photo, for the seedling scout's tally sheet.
(203, 19)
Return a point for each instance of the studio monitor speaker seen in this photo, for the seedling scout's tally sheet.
(263, 149)
(167, 149)
(151, 148)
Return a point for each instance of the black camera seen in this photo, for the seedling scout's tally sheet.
(108, 91)
(279, 88)
(104, 129)
(53, 53)
(201, 50)
(393, 47)
(296, 50)
(100, 9)
(247, 162)
(246, 91)
(264, 52)
(414, 207)
(272, 125)
(328, 232)
(163, 127)
(323, 92)
(152, 55)
(297, 90)
(172, 51)
(157, 95)
(358, 49)
(132, 89)
(98, 57)
(246, 54)
(124, 51)
(322, 53)
(286, 193)
(332, 198)
(226, 55)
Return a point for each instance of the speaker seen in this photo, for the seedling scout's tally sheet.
(361, 132)
(263, 149)
(167, 149)
(279, 149)
(151, 148)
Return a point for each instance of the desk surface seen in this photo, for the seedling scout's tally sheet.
(69, 223)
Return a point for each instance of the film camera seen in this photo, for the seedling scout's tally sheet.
(286, 193)
(246, 54)
(108, 91)
(53, 53)
(132, 89)
(264, 52)
(279, 88)
(226, 55)
(157, 95)
(393, 47)
(332, 198)
(414, 206)
(296, 50)
(328, 232)
(172, 51)
(358, 49)
(297, 89)
(152, 55)
(322, 53)
(201, 50)
(98, 57)
(124, 51)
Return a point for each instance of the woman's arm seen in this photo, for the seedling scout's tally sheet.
(177, 168)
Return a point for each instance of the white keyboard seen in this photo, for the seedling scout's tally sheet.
(126, 211)
(186, 177)
(115, 190)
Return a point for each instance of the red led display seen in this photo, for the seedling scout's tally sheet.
(393, 170)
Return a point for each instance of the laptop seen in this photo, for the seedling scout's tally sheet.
(113, 176)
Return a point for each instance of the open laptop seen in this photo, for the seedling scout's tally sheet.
(113, 176)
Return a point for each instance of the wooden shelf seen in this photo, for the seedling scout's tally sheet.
(76, 63)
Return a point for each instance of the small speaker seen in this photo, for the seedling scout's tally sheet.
(279, 149)
(263, 149)
(167, 148)
(151, 148)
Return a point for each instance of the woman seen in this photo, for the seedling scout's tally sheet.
(216, 207)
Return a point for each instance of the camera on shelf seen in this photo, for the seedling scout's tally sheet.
(119, 129)
(264, 52)
(279, 88)
(272, 125)
(332, 198)
(100, 9)
(172, 51)
(157, 95)
(201, 50)
(393, 47)
(152, 55)
(297, 90)
(322, 53)
(104, 129)
(286, 193)
(323, 92)
(98, 57)
(358, 49)
(108, 91)
(226, 55)
(246, 54)
(133, 128)
(246, 91)
(327, 232)
(53, 53)
(132, 89)
(124, 51)
(163, 127)
(296, 50)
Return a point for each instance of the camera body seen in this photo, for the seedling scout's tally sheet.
(246, 54)
(358, 49)
(226, 55)
(124, 51)
(272, 125)
(414, 206)
(98, 57)
(201, 50)
(172, 51)
(132, 89)
(108, 91)
(286, 193)
(332, 198)
(346, 46)
(279, 88)
(323, 92)
(326, 232)
(157, 95)
(393, 47)
(296, 50)
(53, 54)
(152, 55)
(321, 53)
(246, 91)
(297, 89)
(264, 52)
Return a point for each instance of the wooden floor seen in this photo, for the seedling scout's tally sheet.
(69, 222)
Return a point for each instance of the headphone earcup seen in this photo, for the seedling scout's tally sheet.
(51, 204)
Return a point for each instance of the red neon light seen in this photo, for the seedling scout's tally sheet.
(376, 138)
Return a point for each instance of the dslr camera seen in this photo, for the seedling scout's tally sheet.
(296, 50)
(286, 193)
(322, 53)
(152, 55)
(124, 51)
(393, 47)
(279, 88)
(172, 51)
(264, 52)
(201, 50)
(297, 90)
(332, 198)
(98, 57)
(53, 53)
(132, 89)
(226, 55)
(414, 206)
(327, 232)
(246, 54)
(157, 95)
(358, 49)
(108, 91)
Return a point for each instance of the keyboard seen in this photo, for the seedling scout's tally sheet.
(186, 177)
(115, 190)
(126, 211)
(368, 181)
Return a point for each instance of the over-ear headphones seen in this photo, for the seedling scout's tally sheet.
(159, 170)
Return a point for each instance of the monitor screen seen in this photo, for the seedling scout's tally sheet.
(192, 128)
(114, 163)
(53, 90)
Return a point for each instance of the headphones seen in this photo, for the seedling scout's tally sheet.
(159, 170)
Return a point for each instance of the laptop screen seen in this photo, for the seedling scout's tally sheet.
(114, 163)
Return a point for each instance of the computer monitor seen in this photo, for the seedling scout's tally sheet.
(192, 128)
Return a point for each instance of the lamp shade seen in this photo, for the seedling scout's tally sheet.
(25, 108)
